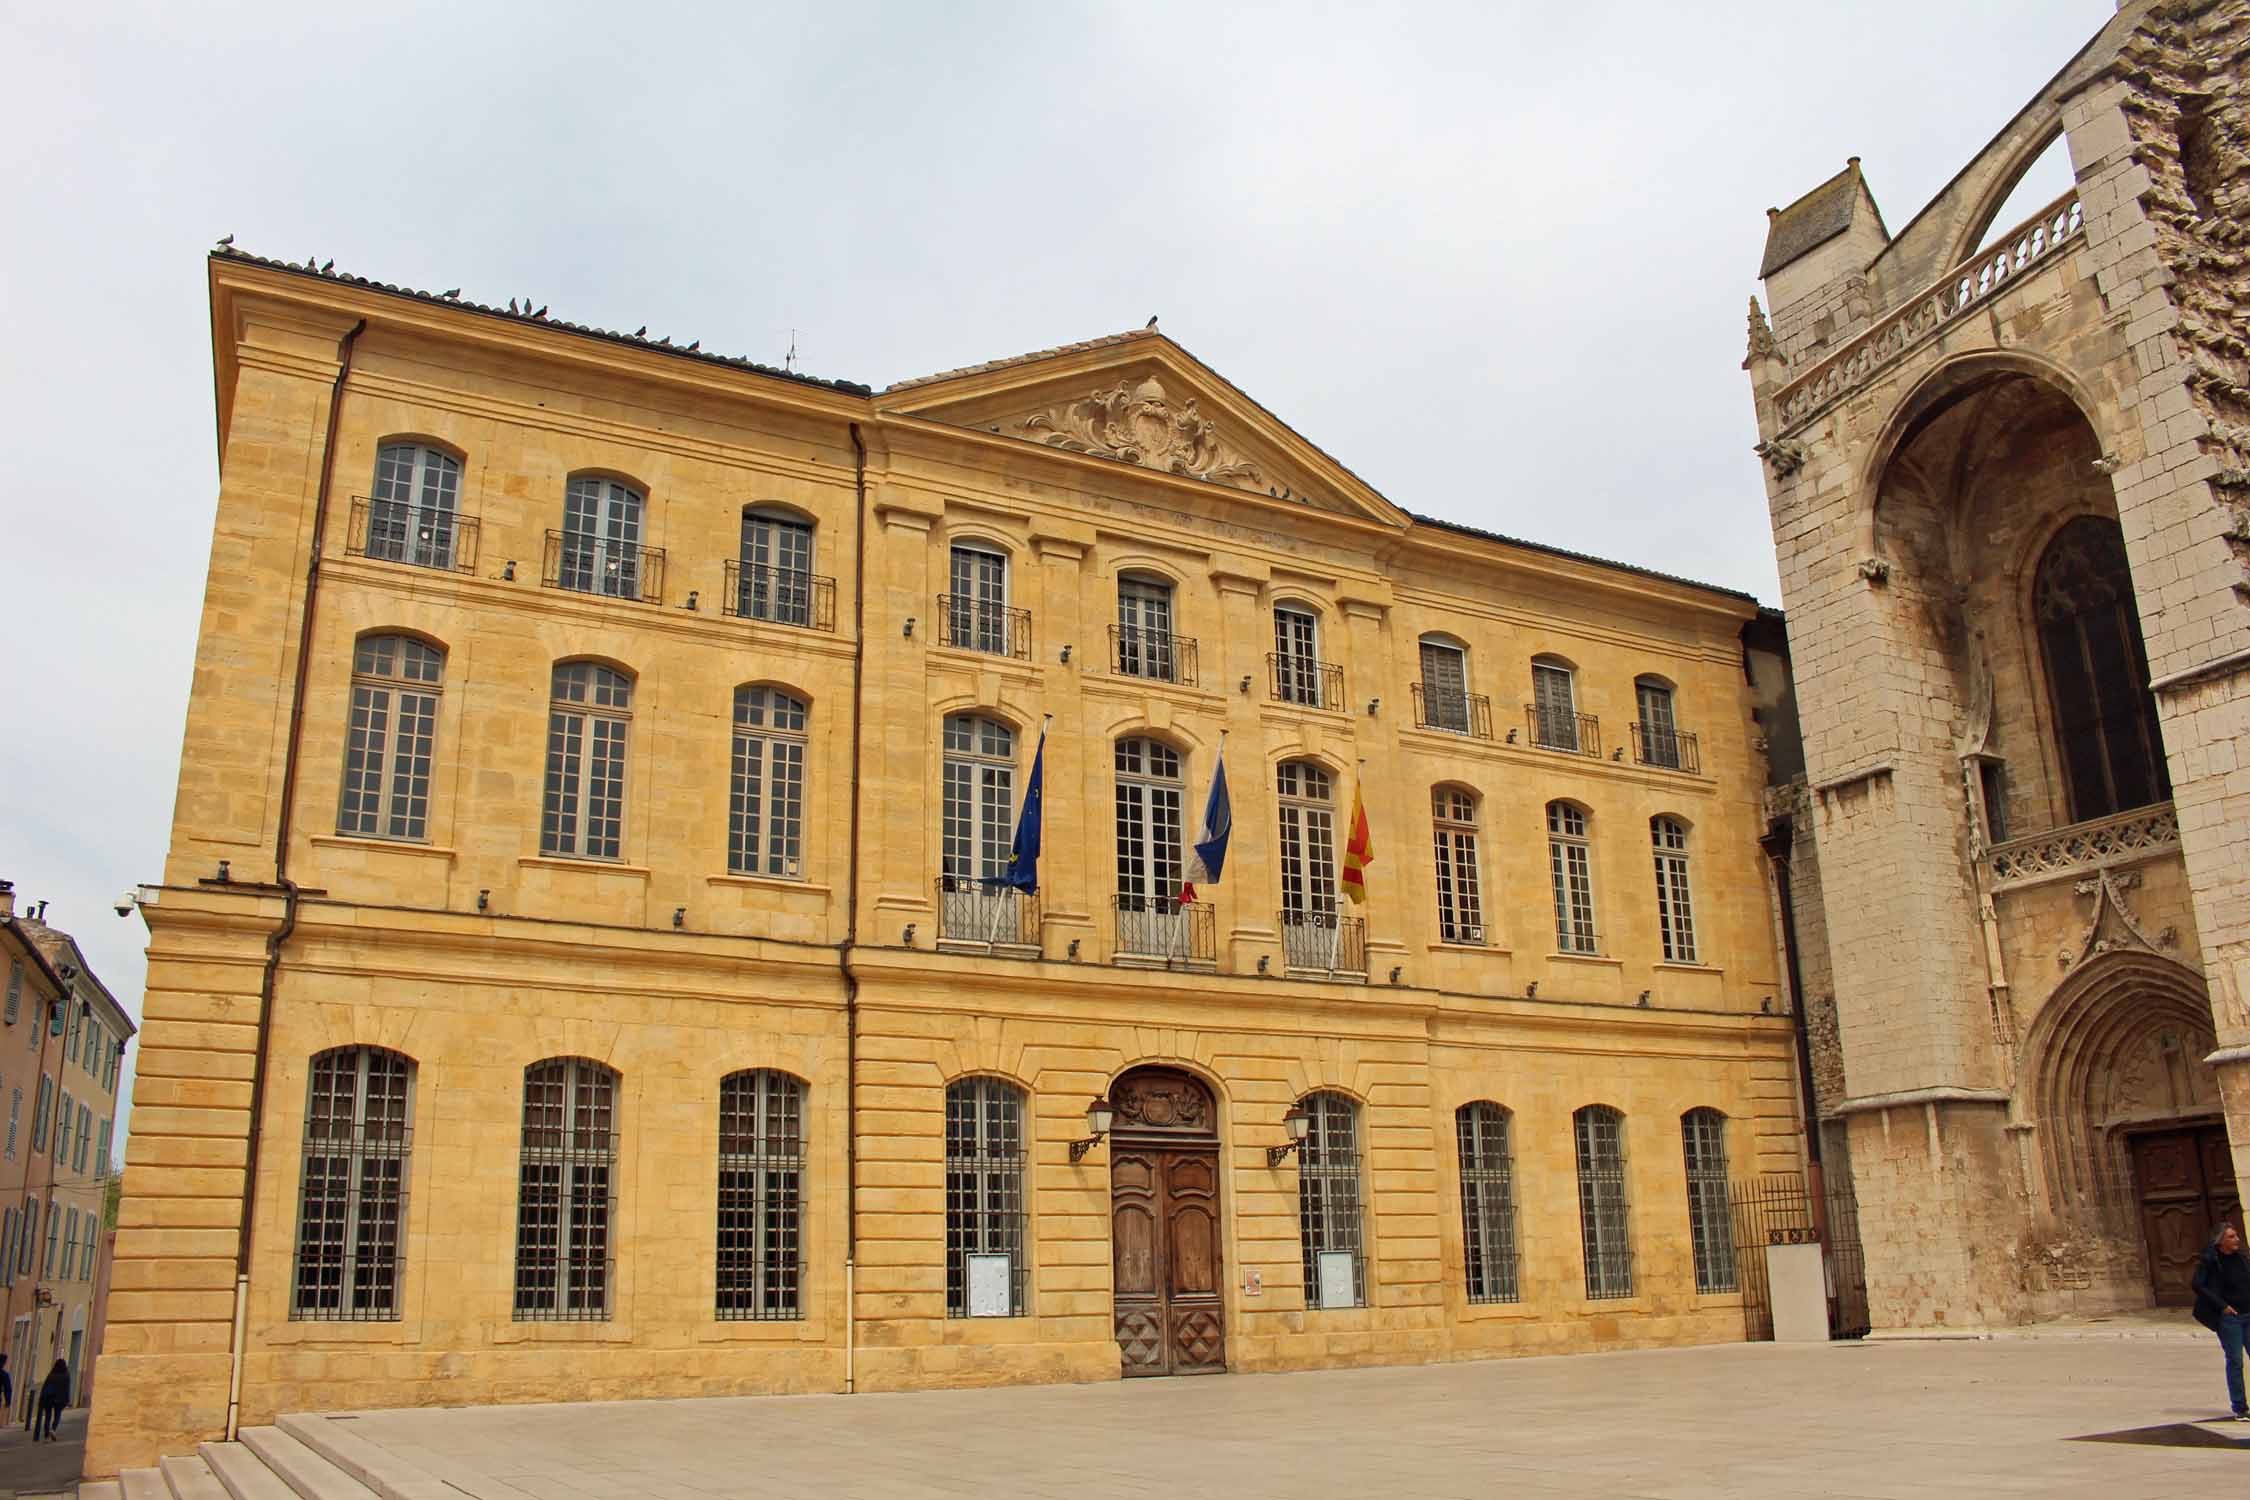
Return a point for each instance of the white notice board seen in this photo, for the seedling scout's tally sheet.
(1336, 1289)
(989, 1291)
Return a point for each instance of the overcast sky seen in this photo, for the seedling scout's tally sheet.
(1493, 257)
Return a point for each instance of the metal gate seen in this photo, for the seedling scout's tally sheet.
(1778, 1210)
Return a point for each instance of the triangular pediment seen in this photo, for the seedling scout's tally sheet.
(1140, 399)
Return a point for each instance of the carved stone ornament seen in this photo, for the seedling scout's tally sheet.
(1161, 1101)
(2110, 925)
(1786, 455)
(1762, 344)
(1138, 422)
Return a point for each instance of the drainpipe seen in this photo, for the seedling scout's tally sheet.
(290, 894)
(1780, 837)
(851, 917)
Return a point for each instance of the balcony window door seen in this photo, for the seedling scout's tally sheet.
(980, 600)
(1445, 687)
(1144, 630)
(1555, 700)
(1660, 733)
(977, 834)
(1296, 645)
(1308, 866)
(601, 544)
(1150, 792)
(410, 515)
(776, 582)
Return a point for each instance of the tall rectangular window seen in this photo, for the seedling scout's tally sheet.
(102, 1163)
(54, 1235)
(1460, 898)
(985, 1250)
(1602, 1220)
(1675, 906)
(389, 743)
(1571, 863)
(761, 1259)
(977, 608)
(15, 989)
(1554, 706)
(30, 1236)
(85, 1139)
(62, 1131)
(587, 720)
(1149, 790)
(1703, 1132)
(41, 1112)
(566, 1192)
(1488, 1202)
(1296, 647)
(766, 808)
(351, 1203)
(601, 538)
(1660, 735)
(1445, 687)
(410, 517)
(1329, 1228)
(1309, 930)
(777, 581)
(70, 1244)
(15, 1118)
(1144, 630)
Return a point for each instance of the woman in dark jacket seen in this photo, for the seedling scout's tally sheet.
(54, 1395)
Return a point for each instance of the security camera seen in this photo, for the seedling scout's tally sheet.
(126, 901)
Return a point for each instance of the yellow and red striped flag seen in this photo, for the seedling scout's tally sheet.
(1359, 852)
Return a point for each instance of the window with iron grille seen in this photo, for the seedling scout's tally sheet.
(761, 1196)
(388, 744)
(1571, 861)
(777, 577)
(566, 1194)
(1703, 1133)
(1554, 697)
(1328, 1208)
(984, 1168)
(2097, 671)
(1602, 1221)
(1460, 897)
(584, 816)
(601, 537)
(766, 811)
(1488, 1202)
(351, 1205)
(1445, 686)
(410, 515)
(1675, 908)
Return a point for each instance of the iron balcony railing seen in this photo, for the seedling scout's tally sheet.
(1184, 935)
(1673, 749)
(585, 563)
(1558, 729)
(1305, 680)
(1154, 654)
(779, 596)
(993, 916)
(1324, 942)
(1456, 713)
(975, 624)
(422, 536)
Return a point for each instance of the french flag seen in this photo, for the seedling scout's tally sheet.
(1211, 840)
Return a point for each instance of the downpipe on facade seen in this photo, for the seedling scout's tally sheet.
(289, 892)
(851, 917)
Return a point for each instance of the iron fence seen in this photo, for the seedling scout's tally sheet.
(585, 562)
(1559, 729)
(1182, 934)
(973, 911)
(779, 596)
(1779, 1209)
(423, 536)
(974, 624)
(1305, 680)
(1673, 749)
(1454, 712)
(1324, 942)
(1157, 655)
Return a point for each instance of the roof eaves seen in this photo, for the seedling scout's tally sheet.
(1581, 557)
(1104, 342)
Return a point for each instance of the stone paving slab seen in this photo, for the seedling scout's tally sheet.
(1887, 1420)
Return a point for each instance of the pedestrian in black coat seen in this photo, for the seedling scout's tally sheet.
(54, 1395)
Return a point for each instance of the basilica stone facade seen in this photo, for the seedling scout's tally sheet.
(2009, 473)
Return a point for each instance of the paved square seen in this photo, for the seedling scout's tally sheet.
(1886, 1419)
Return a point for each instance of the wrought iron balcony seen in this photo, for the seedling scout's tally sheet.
(1555, 729)
(970, 911)
(585, 563)
(421, 536)
(1673, 749)
(1453, 712)
(974, 624)
(1158, 928)
(1305, 680)
(1324, 942)
(1154, 654)
(779, 596)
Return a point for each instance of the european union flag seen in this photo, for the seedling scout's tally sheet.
(1023, 855)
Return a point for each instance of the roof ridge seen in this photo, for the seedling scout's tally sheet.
(1104, 342)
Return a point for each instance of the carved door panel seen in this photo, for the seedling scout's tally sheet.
(2176, 1209)
(2218, 1177)
(1194, 1284)
(1136, 1240)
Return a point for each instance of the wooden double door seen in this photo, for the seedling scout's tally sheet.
(2185, 1180)
(1165, 1236)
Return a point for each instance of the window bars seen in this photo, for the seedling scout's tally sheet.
(1602, 1218)
(984, 1168)
(566, 1192)
(778, 596)
(1328, 1208)
(1710, 1221)
(359, 1141)
(761, 1261)
(1488, 1203)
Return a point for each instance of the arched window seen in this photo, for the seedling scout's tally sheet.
(1656, 732)
(2097, 672)
(1554, 705)
(766, 807)
(1460, 900)
(584, 817)
(984, 1214)
(1571, 861)
(761, 1254)
(1145, 644)
(412, 514)
(601, 550)
(566, 1192)
(1150, 791)
(351, 1203)
(1443, 694)
(1602, 1222)
(1297, 669)
(1703, 1133)
(775, 579)
(1328, 1213)
(1308, 865)
(1488, 1202)
(387, 750)
(1675, 907)
(977, 617)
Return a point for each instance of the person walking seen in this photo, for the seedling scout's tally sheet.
(2222, 1304)
(54, 1395)
(7, 1391)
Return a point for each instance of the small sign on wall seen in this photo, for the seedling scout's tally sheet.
(1253, 1283)
(989, 1292)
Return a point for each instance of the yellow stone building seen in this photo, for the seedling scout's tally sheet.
(582, 912)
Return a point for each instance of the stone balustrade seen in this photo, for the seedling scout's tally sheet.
(2078, 847)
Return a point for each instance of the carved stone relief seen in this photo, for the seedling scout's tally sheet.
(1137, 422)
(1161, 1100)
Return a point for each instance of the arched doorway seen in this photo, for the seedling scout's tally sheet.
(1165, 1229)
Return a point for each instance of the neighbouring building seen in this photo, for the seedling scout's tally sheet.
(585, 914)
(62, 1044)
(2009, 474)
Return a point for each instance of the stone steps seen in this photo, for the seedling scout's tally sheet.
(298, 1458)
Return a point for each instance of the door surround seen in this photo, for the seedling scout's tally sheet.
(1167, 1224)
